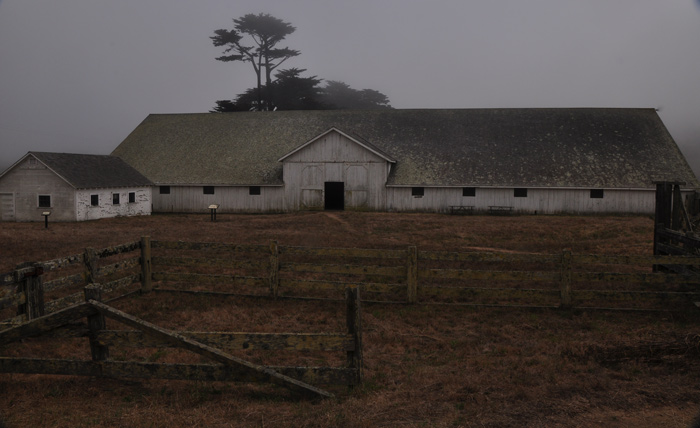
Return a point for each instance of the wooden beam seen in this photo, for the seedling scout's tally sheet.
(207, 351)
(45, 323)
(200, 372)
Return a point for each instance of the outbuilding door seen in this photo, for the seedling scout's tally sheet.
(334, 195)
(7, 207)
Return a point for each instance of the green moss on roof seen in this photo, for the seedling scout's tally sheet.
(487, 147)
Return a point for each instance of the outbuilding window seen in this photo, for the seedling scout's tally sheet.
(94, 200)
(132, 197)
(115, 198)
(254, 190)
(164, 190)
(208, 190)
(417, 192)
(597, 193)
(520, 193)
(44, 201)
(468, 191)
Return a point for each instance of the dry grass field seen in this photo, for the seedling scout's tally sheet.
(425, 365)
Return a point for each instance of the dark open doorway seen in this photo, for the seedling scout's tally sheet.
(334, 195)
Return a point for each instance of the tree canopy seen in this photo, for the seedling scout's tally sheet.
(254, 39)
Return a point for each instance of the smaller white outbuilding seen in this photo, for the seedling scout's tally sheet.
(72, 187)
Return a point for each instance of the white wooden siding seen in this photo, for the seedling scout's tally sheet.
(540, 201)
(191, 199)
(27, 181)
(334, 157)
(105, 208)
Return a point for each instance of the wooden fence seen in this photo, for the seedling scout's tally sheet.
(26, 290)
(563, 280)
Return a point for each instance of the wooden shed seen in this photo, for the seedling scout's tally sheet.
(72, 187)
(580, 160)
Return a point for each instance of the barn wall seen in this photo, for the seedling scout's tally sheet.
(26, 181)
(105, 208)
(191, 199)
(541, 201)
(334, 157)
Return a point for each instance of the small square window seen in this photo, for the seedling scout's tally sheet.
(44, 201)
(115, 198)
(468, 191)
(132, 197)
(94, 200)
(164, 190)
(520, 193)
(254, 190)
(208, 190)
(417, 192)
(597, 193)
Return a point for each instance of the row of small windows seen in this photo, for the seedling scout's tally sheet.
(211, 190)
(45, 200)
(518, 192)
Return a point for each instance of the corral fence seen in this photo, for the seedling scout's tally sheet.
(673, 227)
(563, 280)
(47, 304)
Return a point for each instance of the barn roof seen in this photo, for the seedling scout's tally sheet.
(577, 147)
(92, 171)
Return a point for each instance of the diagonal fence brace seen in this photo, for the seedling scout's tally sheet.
(207, 351)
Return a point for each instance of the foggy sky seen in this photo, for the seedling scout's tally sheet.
(78, 76)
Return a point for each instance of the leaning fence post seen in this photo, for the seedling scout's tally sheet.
(146, 269)
(274, 268)
(96, 323)
(354, 324)
(412, 274)
(566, 279)
(90, 261)
(32, 286)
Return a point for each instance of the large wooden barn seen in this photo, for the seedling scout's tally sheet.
(72, 187)
(582, 160)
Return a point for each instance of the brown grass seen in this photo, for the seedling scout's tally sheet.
(432, 366)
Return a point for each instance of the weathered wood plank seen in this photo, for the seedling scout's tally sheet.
(96, 323)
(45, 323)
(353, 307)
(342, 252)
(633, 295)
(210, 262)
(487, 257)
(65, 282)
(200, 372)
(480, 275)
(344, 269)
(648, 278)
(679, 237)
(314, 285)
(7, 279)
(633, 260)
(118, 249)
(211, 246)
(14, 300)
(120, 266)
(146, 261)
(62, 262)
(486, 292)
(209, 279)
(207, 351)
(233, 341)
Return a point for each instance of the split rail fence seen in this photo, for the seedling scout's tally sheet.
(408, 275)
(54, 308)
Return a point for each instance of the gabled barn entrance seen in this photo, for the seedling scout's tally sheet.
(334, 195)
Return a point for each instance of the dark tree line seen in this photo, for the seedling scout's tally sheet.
(254, 39)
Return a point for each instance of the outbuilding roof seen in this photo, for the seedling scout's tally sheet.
(556, 147)
(92, 171)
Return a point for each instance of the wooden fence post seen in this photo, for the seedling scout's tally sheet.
(95, 324)
(146, 269)
(412, 274)
(90, 261)
(354, 324)
(566, 279)
(32, 285)
(274, 268)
